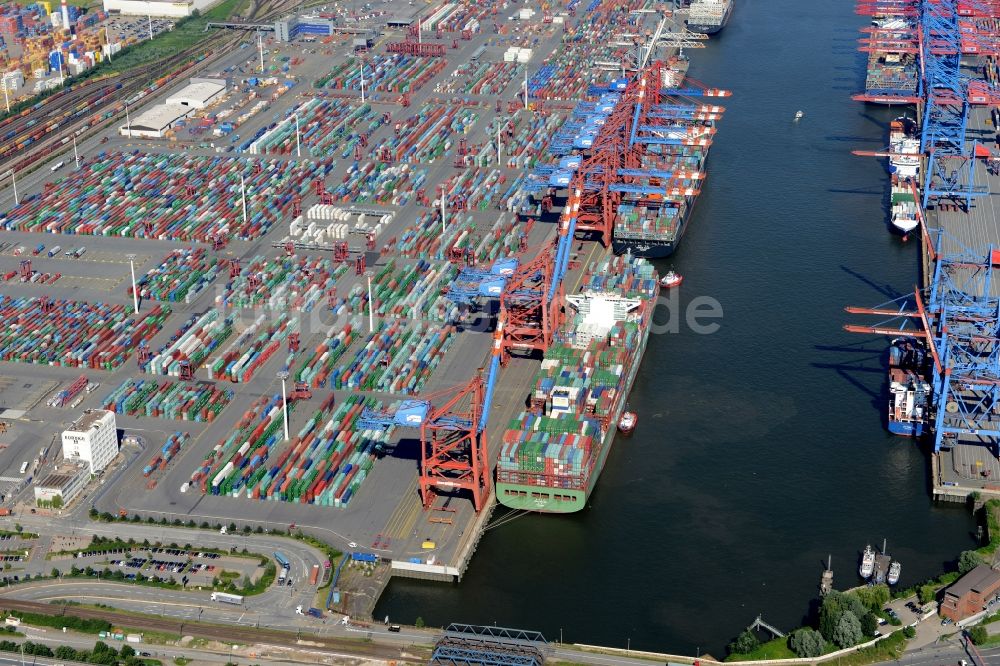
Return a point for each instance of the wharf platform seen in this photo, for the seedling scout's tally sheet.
(386, 517)
(968, 462)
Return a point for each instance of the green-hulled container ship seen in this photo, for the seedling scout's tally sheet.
(554, 452)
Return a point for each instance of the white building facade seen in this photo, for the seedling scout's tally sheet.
(93, 440)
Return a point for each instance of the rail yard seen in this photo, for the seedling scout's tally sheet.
(376, 235)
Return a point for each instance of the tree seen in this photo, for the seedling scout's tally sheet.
(57, 502)
(848, 631)
(419, 622)
(873, 597)
(66, 652)
(93, 515)
(126, 652)
(807, 642)
(926, 593)
(18, 527)
(969, 560)
(978, 634)
(55, 572)
(868, 625)
(745, 643)
(909, 632)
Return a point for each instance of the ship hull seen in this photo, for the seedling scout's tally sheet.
(906, 429)
(644, 248)
(545, 499)
(712, 29)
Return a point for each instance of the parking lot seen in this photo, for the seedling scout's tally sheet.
(165, 564)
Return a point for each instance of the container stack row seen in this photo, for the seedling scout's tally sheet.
(181, 276)
(481, 78)
(398, 358)
(283, 283)
(193, 343)
(170, 449)
(167, 197)
(73, 333)
(328, 459)
(323, 123)
(199, 401)
(481, 189)
(255, 345)
(246, 448)
(379, 183)
(427, 135)
(395, 73)
(317, 365)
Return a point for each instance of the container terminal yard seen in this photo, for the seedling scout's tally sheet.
(947, 392)
(381, 229)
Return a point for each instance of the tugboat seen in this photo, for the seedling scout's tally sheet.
(626, 424)
(867, 567)
(671, 279)
(894, 570)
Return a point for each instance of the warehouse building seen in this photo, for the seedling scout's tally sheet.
(168, 8)
(199, 93)
(65, 482)
(969, 594)
(154, 123)
(93, 440)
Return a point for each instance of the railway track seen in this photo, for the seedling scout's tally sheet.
(47, 127)
(225, 633)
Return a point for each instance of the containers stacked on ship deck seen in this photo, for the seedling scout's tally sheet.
(197, 338)
(323, 124)
(317, 366)
(580, 390)
(255, 345)
(168, 197)
(381, 183)
(167, 452)
(283, 283)
(73, 333)
(201, 401)
(394, 73)
(427, 135)
(181, 276)
(398, 358)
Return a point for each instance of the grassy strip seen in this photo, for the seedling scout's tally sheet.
(887, 649)
(87, 626)
(23, 535)
(773, 649)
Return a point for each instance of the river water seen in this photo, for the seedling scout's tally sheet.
(760, 448)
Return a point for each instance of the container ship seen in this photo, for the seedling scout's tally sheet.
(553, 453)
(909, 391)
(904, 166)
(709, 16)
(652, 226)
(891, 74)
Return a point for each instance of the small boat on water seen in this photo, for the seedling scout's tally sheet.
(798, 115)
(893, 577)
(867, 567)
(627, 422)
(671, 279)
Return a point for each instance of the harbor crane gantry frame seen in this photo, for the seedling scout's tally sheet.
(958, 318)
